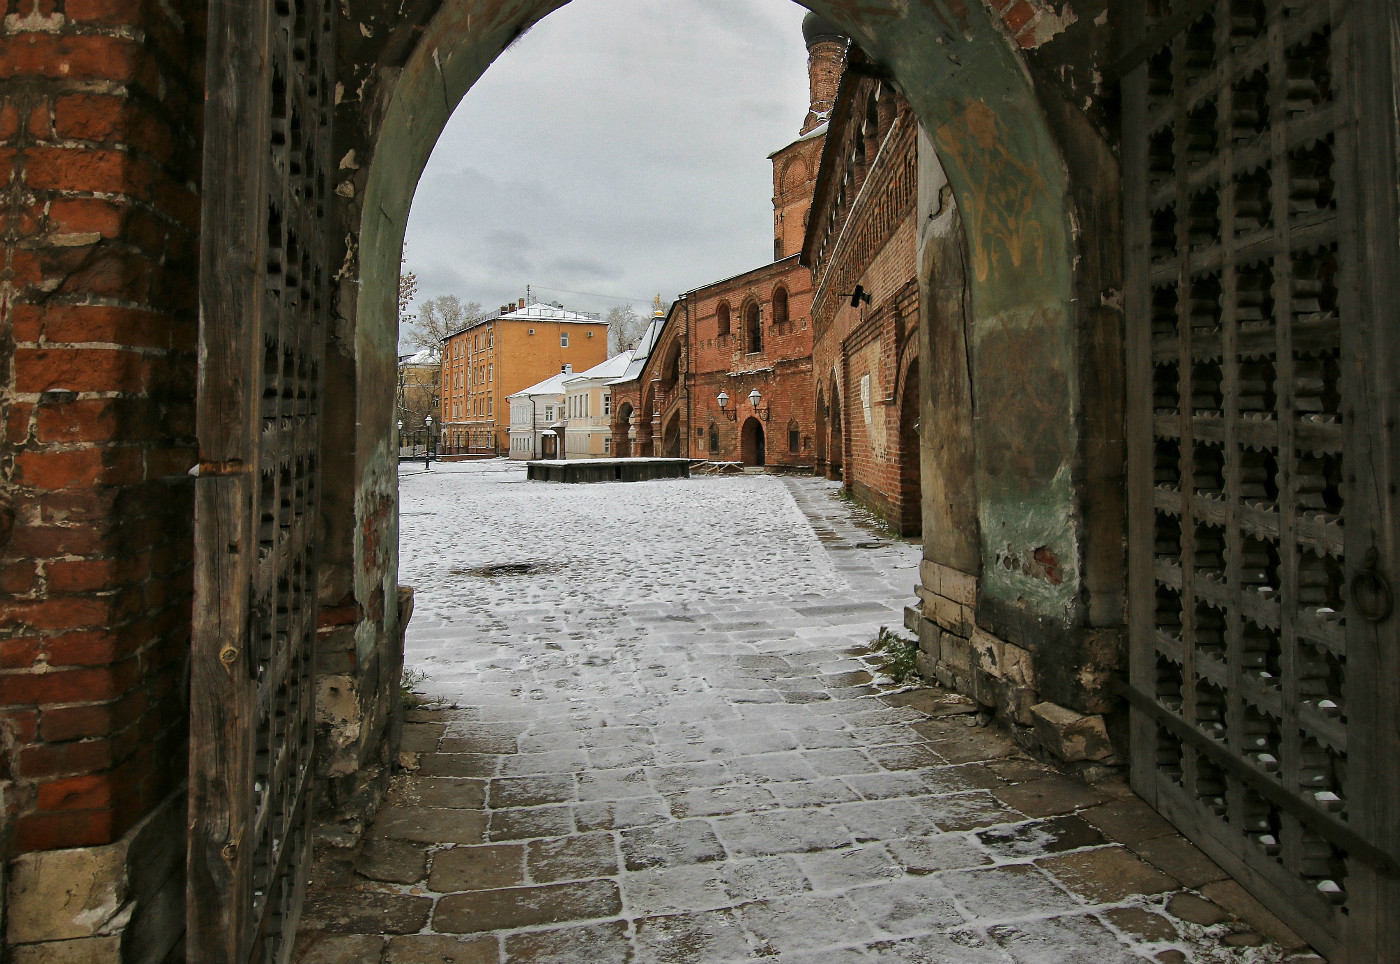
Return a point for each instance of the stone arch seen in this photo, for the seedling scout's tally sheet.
(722, 319)
(967, 82)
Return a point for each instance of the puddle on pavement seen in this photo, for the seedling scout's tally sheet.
(499, 569)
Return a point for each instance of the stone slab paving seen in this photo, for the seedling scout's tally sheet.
(729, 779)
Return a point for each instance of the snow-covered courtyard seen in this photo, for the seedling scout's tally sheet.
(671, 548)
(659, 737)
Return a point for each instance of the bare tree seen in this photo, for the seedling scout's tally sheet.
(625, 328)
(408, 290)
(439, 317)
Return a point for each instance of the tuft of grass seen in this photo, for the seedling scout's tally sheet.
(896, 656)
(410, 681)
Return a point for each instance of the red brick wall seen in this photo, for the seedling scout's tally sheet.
(794, 173)
(99, 169)
(781, 371)
(871, 243)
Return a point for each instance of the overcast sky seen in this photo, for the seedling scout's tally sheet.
(619, 149)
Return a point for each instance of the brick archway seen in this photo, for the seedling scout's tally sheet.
(753, 443)
(398, 78)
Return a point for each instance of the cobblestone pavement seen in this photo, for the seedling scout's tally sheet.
(714, 776)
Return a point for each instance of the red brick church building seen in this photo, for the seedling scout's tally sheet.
(690, 391)
(785, 365)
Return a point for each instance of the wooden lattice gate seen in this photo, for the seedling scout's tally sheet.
(1264, 342)
(263, 298)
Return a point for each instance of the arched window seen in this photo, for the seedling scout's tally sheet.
(780, 306)
(794, 437)
(753, 326)
(714, 437)
(722, 315)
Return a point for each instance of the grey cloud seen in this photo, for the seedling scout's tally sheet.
(619, 147)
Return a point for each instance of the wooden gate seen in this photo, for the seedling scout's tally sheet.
(1264, 344)
(263, 298)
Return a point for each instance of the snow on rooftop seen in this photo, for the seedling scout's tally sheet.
(640, 354)
(553, 385)
(817, 131)
(544, 312)
(611, 368)
(425, 357)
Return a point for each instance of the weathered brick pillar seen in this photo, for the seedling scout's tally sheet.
(99, 207)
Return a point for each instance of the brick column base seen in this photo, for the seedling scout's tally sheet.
(961, 656)
(123, 901)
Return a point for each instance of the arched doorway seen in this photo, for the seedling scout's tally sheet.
(645, 447)
(911, 521)
(820, 433)
(671, 437)
(752, 447)
(622, 423)
(833, 432)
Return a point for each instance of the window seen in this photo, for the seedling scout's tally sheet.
(490, 406)
(753, 325)
(714, 437)
(607, 444)
(549, 413)
(780, 306)
(490, 373)
(722, 315)
(794, 437)
(607, 403)
(564, 340)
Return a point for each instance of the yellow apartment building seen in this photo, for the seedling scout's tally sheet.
(498, 355)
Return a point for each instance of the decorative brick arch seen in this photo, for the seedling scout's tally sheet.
(796, 172)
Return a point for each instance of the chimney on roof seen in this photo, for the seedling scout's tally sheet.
(522, 303)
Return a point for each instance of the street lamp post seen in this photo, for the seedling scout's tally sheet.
(428, 445)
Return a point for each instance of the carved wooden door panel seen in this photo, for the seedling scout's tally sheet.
(263, 300)
(1260, 180)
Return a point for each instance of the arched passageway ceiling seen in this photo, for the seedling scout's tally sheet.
(970, 88)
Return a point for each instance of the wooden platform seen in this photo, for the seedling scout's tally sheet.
(607, 470)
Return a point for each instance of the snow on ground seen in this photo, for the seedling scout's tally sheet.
(666, 541)
(596, 551)
(673, 713)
